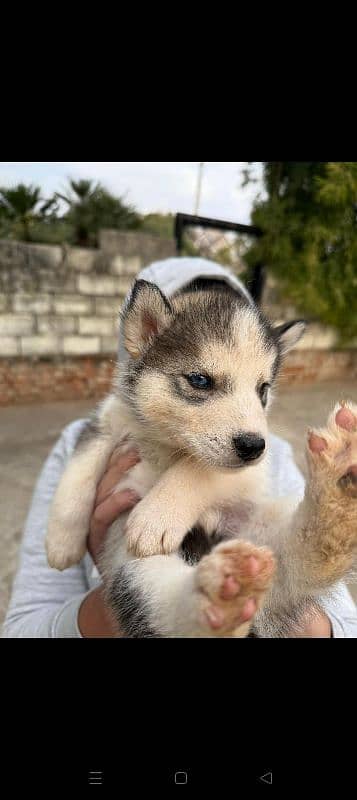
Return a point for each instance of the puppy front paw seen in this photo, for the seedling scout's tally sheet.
(67, 532)
(150, 532)
(63, 553)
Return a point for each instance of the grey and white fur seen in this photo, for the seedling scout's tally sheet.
(192, 394)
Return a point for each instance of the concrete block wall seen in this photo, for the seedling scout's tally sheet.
(317, 336)
(65, 301)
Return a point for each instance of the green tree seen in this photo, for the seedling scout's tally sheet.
(91, 207)
(20, 207)
(309, 224)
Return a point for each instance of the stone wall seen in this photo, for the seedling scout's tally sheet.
(64, 301)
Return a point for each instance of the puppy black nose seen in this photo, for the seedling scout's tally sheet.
(249, 446)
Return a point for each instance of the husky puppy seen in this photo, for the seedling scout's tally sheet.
(208, 540)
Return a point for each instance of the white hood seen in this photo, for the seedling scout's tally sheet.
(174, 274)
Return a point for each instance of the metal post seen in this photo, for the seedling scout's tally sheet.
(257, 283)
(199, 188)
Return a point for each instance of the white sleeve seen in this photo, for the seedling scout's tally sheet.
(287, 479)
(44, 602)
(341, 611)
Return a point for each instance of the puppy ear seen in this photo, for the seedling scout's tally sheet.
(289, 334)
(146, 314)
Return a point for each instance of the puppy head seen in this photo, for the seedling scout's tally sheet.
(200, 371)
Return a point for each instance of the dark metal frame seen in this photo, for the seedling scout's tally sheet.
(257, 281)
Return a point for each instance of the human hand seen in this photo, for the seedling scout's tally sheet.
(94, 618)
(108, 506)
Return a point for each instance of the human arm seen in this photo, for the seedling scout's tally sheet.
(44, 603)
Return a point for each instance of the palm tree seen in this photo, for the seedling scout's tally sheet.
(78, 199)
(91, 207)
(18, 205)
(21, 206)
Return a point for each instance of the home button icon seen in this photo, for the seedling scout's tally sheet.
(181, 778)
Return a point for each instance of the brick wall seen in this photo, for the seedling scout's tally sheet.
(24, 381)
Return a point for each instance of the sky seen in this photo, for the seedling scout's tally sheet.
(151, 185)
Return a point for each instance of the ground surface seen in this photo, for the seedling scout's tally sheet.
(28, 433)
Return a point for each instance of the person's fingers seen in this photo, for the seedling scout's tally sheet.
(107, 484)
(97, 535)
(118, 454)
(108, 511)
(114, 475)
(110, 480)
(104, 516)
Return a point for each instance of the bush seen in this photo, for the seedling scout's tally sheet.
(159, 225)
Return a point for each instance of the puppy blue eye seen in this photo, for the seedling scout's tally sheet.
(264, 392)
(200, 381)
